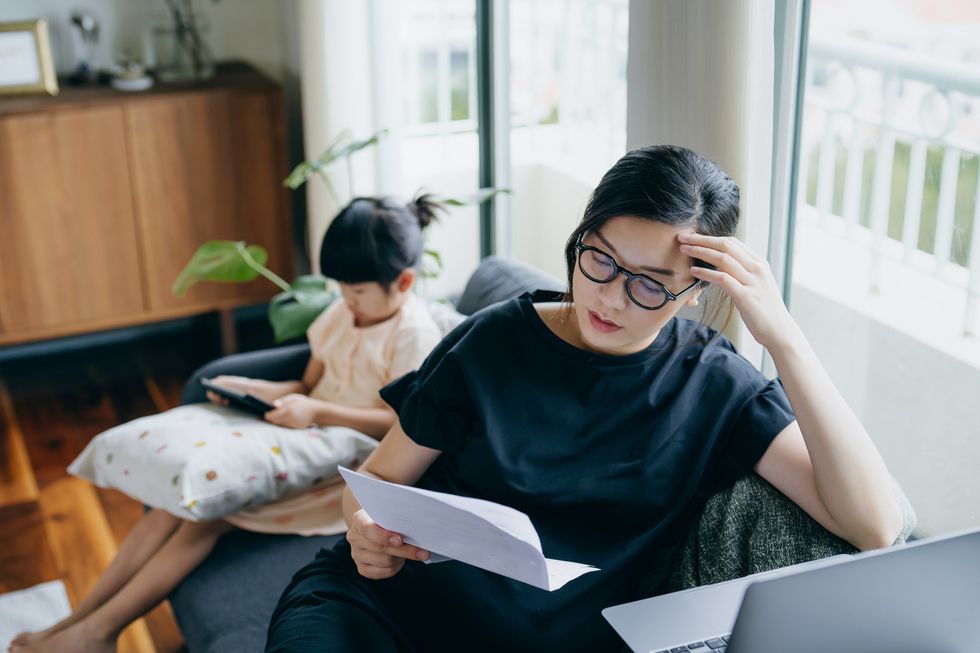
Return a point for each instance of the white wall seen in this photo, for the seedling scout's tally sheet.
(240, 29)
(548, 205)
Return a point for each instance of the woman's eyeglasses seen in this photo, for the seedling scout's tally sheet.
(600, 267)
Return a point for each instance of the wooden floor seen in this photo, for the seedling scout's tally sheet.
(58, 527)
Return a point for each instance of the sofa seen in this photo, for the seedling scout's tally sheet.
(225, 604)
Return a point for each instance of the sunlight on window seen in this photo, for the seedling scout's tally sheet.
(568, 115)
(886, 276)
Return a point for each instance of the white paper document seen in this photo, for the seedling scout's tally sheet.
(481, 533)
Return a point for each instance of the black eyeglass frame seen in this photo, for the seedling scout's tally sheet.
(630, 275)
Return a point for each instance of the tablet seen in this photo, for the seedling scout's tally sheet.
(240, 400)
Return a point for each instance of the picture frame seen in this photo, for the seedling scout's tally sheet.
(26, 65)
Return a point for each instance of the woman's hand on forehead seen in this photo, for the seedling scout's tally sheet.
(745, 276)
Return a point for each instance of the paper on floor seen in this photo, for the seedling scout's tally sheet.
(34, 608)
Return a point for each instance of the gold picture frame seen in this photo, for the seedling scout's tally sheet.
(26, 65)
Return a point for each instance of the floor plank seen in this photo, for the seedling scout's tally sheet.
(25, 557)
(17, 483)
(58, 420)
(57, 424)
(121, 512)
(163, 629)
(165, 379)
(83, 546)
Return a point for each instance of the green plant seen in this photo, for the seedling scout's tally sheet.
(340, 147)
(290, 312)
(293, 310)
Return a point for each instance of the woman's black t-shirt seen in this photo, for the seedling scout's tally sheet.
(602, 452)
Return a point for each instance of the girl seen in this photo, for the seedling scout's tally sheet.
(379, 332)
(603, 417)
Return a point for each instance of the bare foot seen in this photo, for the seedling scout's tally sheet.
(24, 640)
(76, 638)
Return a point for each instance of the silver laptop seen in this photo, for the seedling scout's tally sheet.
(923, 597)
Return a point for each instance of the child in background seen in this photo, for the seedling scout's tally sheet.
(378, 332)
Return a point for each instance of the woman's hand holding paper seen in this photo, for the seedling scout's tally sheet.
(379, 553)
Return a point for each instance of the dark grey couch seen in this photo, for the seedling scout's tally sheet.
(226, 604)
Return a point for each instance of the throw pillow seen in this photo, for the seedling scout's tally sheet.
(202, 462)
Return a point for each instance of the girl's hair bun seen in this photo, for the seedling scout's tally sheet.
(376, 238)
(425, 208)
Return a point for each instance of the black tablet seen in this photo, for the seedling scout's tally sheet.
(240, 400)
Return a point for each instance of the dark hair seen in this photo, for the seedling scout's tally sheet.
(668, 184)
(375, 239)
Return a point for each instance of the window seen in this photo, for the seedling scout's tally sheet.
(567, 89)
(886, 273)
(426, 98)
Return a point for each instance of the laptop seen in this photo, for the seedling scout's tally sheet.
(923, 597)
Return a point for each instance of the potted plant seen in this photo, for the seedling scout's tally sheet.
(293, 310)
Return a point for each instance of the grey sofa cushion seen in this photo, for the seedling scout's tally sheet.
(497, 279)
(225, 605)
(745, 529)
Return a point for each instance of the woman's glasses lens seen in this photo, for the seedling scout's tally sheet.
(601, 268)
(647, 293)
(597, 266)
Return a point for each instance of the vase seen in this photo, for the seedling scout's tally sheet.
(179, 51)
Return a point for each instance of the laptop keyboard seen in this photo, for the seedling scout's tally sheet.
(713, 645)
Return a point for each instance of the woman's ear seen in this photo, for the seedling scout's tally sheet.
(405, 280)
(695, 294)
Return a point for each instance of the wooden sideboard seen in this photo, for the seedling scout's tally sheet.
(105, 195)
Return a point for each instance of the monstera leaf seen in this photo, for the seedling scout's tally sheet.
(226, 261)
(292, 312)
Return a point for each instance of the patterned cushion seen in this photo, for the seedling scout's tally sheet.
(202, 462)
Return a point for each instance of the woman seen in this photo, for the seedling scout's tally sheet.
(603, 417)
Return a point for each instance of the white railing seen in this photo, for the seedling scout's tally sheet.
(909, 99)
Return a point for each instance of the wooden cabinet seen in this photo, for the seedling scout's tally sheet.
(104, 196)
(68, 246)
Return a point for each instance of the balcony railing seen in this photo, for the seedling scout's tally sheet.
(891, 151)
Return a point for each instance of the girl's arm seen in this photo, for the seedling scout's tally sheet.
(296, 411)
(269, 391)
(374, 422)
(825, 462)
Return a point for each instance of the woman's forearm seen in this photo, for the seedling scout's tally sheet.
(850, 475)
(349, 505)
